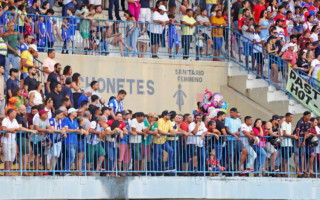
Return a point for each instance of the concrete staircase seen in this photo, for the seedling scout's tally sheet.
(256, 97)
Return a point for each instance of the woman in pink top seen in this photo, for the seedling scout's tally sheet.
(134, 8)
(259, 131)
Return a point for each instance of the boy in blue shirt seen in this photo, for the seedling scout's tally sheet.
(72, 26)
(173, 37)
(42, 34)
(49, 28)
(65, 33)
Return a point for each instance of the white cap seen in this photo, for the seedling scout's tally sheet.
(291, 45)
(71, 110)
(34, 47)
(88, 90)
(163, 8)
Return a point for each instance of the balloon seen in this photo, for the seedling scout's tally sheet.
(311, 12)
(217, 99)
(306, 14)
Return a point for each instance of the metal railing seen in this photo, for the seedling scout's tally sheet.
(52, 154)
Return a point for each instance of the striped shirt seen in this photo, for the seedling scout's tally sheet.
(56, 137)
(3, 47)
(116, 105)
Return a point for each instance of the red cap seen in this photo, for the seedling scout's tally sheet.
(42, 112)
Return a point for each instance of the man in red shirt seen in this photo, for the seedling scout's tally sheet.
(122, 124)
(245, 16)
(280, 15)
(257, 9)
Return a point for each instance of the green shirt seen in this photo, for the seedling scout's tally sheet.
(12, 41)
(19, 102)
(146, 141)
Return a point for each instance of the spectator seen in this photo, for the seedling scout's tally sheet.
(132, 33)
(304, 40)
(302, 63)
(311, 150)
(48, 65)
(56, 96)
(246, 7)
(134, 8)
(48, 106)
(67, 72)
(85, 26)
(247, 136)
(2, 94)
(248, 32)
(94, 147)
(56, 138)
(21, 99)
(71, 143)
(124, 149)
(54, 78)
(45, 6)
(12, 42)
(183, 8)
(245, 17)
(95, 87)
(314, 39)
(282, 17)
(8, 140)
(303, 127)
(233, 125)
(264, 25)
(286, 143)
(187, 31)
(12, 82)
(145, 14)
(204, 22)
(49, 29)
(273, 51)
(234, 12)
(298, 20)
(67, 92)
(94, 103)
(217, 33)
(158, 4)
(259, 147)
(117, 103)
(40, 142)
(23, 18)
(258, 55)
(27, 60)
(315, 68)
(257, 10)
(76, 88)
(308, 25)
(34, 9)
(36, 96)
(84, 126)
(42, 35)
(27, 42)
(69, 4)
(116, 11)
(85, 96)
(173, 37)
(159, 143)
(159, 21)
(290, 56)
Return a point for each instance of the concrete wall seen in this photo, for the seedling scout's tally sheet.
(151, 84)
(158, 188)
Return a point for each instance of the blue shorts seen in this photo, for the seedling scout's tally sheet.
(20, 29)
(173, 39)
(81, 145)
(2, 60)
(24, 76)
(247, 48)
(217, 43)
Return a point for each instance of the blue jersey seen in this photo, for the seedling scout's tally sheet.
(42, 37)
(56, 137)
(24, 47)
(117, 106)
(172, 30)
(72, 25)
(49, 28)
(65, 32)
(4, 20)
(125, 139)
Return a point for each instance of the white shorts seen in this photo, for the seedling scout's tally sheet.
(270, 149)
(9, 152)
(56, 149)
(145, 15)
(95, 2)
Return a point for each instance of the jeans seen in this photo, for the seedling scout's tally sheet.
(14, 61)
(261, 157)
(110, 152)
(177, 153)
(252, 155)
(157, 154)
(71, 150)
(186, 41)
(104, 47)
(116, 5)
(200, 158)
(218, 150)
(65, 8)
(132, 41)
(2, 106)
(208, 7)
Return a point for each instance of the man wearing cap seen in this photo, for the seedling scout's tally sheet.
(137, 129)
(56, 96)
(282, 17)
(40, 141)
(85, 96)
(70, 143)
(159, 21)
(27, 60)
(12, 42)
(56, 137)
(159, 142)
(290, 56)
(293, 40)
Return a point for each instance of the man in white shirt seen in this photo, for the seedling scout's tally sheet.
(247, 134)
(95, 87)
(248, 33)
(137, 129)
(315, 68)
(159, 21)
(195, 142)
(286, 144)
(280, 30)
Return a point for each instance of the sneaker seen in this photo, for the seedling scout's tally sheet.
(170, 169)
(250, 170)
(46, 174)
(66, 174)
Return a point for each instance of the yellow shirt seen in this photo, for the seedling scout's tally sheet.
(211, 1)
(217, 32)
(165, 127)
(187, 30)
(28, 56)
(23, 15)
(100, 19)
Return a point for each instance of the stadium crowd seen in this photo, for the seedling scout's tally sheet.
(53, 125)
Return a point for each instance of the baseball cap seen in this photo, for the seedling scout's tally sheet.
(71, 110)
(164, 113)
(245, 21)
(57, 112)
(291, 44)
(124, 112)
(140, 114)
(43, 111)
(279, 20)
(88, 90)
(163, 8)
(34, 47)
(152, 115)
(275, 117)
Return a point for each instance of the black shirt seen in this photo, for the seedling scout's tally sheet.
(54, 79)
(11, 84)
(56, 98)
(236, 7)
(21, 120)
(31, 83)
(92, 109)
(303, 63)
(220, 125)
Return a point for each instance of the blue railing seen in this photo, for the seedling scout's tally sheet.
(178, 155)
